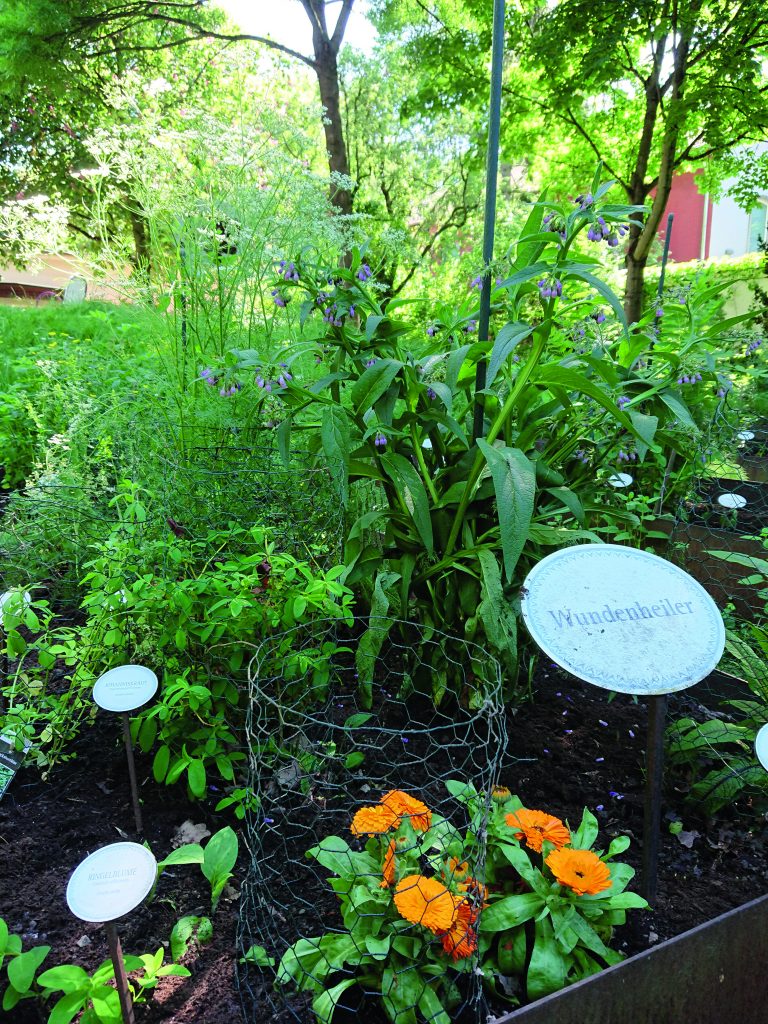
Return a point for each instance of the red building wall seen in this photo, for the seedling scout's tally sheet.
(690, 208)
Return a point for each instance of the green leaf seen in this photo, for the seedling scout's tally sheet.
(548, 967)
(353, 760)
(432, 1008)
(66, 1008)
(496, 613)
(370, 643)
(22, 969)
(514, 481)
(190, 853)
(600, 286)
(510, 912)
(411, 489)
(67, 978)
(336, 441)
(680, 410)
(259, 956)
(196, 778)
(284, 440)
(160, 763)
(586, 833)
(373, 382)
(220, 855)
(324, 1005)
(506, 341)
(357, 720)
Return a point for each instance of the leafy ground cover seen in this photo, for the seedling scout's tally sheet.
(573, 748)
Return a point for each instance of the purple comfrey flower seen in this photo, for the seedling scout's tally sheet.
(470, 326)
(208, 376)
(585, 200)
(598, 316)
(322, 297)
(613, 241)
(659, 313)
(476, 282)
(351, 310)
(370, 362)
(550, 288)
(594, 234)
(288, 271)
(623, 400)
(228, 392)
(547, 218)
(364, 273)
(380, 440)
(721, 392)
(431, 394)
(278, 299)
(431, 330)
(260, 382)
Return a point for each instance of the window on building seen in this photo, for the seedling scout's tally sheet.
(758, 226)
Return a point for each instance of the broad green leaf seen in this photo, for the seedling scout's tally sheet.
(325, 1004)
(506, 341)
(336, 440)
(220, 854)
(22, 969)
(196, 778)
(431, 1007)
(373, 382)
(510, 912)
(190, 853)
(411, 489)
(548, 967)
(514, 481)
(67, 1007)
(67, 978)
(585, 835)
(600, 286)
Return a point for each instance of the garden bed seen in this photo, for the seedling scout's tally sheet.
(572, 748)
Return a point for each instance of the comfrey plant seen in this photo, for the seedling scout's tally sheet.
(417, 916)
(458, 461)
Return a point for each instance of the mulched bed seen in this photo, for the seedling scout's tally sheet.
(573, 746)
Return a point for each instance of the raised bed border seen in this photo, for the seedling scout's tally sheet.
(708, 975)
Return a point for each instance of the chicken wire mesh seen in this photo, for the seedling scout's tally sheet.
(314, 763)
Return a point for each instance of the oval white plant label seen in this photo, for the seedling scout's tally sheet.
(730, 500)
(623, 619)
(125, 688)
(761, 746)
(111, 882)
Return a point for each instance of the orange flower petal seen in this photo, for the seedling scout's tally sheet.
(425, 901)
(406, 806)
(388, 867)
(460, 940)
(373, 821)
(537, 827)
(580, 870)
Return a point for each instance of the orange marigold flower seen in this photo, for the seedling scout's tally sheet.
(580, 870)
(460, 940)
(457, 869)
(373, 821)
(476, 890)
(537, 827)
(406, 806)
(425, 901)
(388, 867)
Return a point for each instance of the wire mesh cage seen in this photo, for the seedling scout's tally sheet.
(325, 886)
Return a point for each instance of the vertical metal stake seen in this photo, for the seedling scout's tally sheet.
(491, 176)
(665, 255)
(121, 978)
(132, 774)
(654, 777)
(183, 297)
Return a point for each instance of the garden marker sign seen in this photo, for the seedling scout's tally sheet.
(628, 621)
(623, 619)
(761, 746)
(106, 885)
(121, 690)
(730, 500)
(125, 688)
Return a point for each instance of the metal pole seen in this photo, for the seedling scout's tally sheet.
(183, 297)
(665, 255)
(491, 177)
(654, 777)
(121, 978)
(132, 774)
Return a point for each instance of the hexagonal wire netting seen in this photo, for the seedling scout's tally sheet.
(313, 764)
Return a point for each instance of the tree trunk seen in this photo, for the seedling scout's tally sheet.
(338, 161)
(633, 292)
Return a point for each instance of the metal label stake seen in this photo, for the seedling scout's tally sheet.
(105, 886)
(628, 621)
(122, 690)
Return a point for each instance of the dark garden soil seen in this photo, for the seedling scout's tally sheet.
(572, 747)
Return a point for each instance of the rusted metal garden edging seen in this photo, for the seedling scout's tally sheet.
(713, 974)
